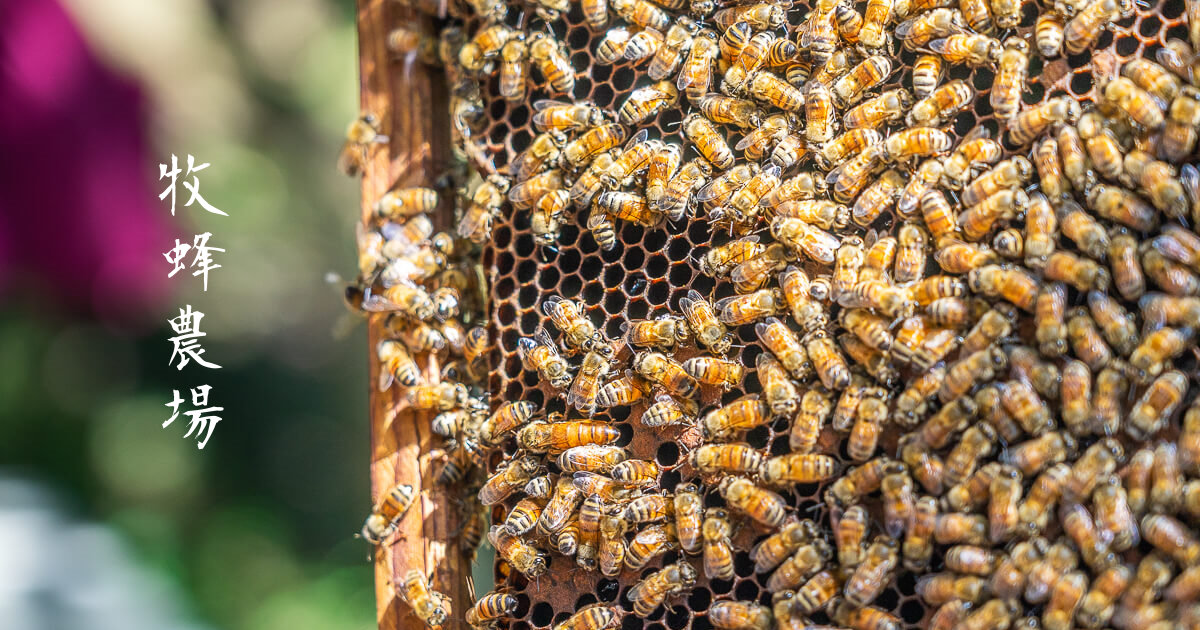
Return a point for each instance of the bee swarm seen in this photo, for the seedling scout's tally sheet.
(855, 314)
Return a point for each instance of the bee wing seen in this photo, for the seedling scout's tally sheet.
(939, 46)
(376, 303)
(750, 138)
(708, 192)
(773, 170)
(386, 378)
(547, 103)
(720, 304)
(596, 219)
(905, 28)
(637, 138)
(552, 306)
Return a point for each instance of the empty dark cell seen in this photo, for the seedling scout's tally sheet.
(607, 590)
(537, 397)
(638, 309)
(635, 257)
(579, 60)
(531, 321)
(746, 590)
(612, 275)
(568, 261)
(578, 37)
(730, 396)
(667, 454)
(522, 604)
(714, 500)
(520, 625)
(626, 429)
(1033, 94)
(699, 599)
(677, 618)
(912, 612)
(982, 78)
(965, 121)
(509, 339)
(556, 405)
(655, 240)
(780, 446)
(501, 236)
(703, 284)
(634, 283)
(1029, 14)
(529, 378)
(670, 119)
(1125, 23)
(656, 626)
(602, 94)
(513, 391)
(1081, 83)
(520, 140)
(1127, 45)
(658, 293)
(721, 587)
(657, 265)
(701, 622)
(758, 437)
(623, 77)
(698, 233)
(1080, 60)
(614, 254)
(506, 314)
(679, 249)
(614, 302)
(1171, 10)
(518, 116)
(907, 583)
(570, 285)
(504, 263)
(591, 267)
(547, 277)
(888, 599)
(743, 565)
(630, 233)
(632, 622)
(497, 109)
(669, 479)
(527, 297)
(680, 275)
(1179, 31)
(612, 328)
(592, 293)
(524, 247)
(750, 379)
(1105, 40)
(959, 72)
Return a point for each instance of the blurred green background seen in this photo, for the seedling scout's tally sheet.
(255, 531)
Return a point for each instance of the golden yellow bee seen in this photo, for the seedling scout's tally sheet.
(623, 391)
(1099, 602)
(598, 458)
(867, 74)
(406, 202)
(586, 387)
(916, 31)
(740, 415)
(361, 133)
(716, 547)
(599, 616)
(876, 17)
(1139, 105)
(1027, 125)
(710, 144)
(978, 15)
(491, 608)
(916, 142)
(578, 331)
(889, 106)
(869, 577)
(1159, 182)
(552, 61)
(969, 155)
(1048, 34)
(967, 48)
(646, 102)
(430, 606)
(560, 116)
(666, 372)
(387, 514)
(798, 468)
(709, 330)
(664, 332)
(649, 543)
(513, 69)
(593, 142)
(1082, 31)
(695, 75)
(676, 197)
(541, 355)
(556, 437)
(505, 420)
(714, 371)
(850, 535)
(650, 593)
(1182, 125)
(760, 504)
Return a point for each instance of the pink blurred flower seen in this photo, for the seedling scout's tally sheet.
(79, 222)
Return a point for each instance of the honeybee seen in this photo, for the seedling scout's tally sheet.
(1158, 182)
(404, 203)
(1015, 285)
(958, 528)
(655, 588)
(949, 420)
(387, 514)
(819, 36)
(1136, 103)
(722, 259)
(585, 389)
(430, 606)
(861, 481)
(689, 514)
(646, 102)
(709, 330)
(717, 548)
(867, 74)
(967, 156)
(1086, 341)
(1048, 34)
(664, 332)
(623, 391)
(552, 61)
(666, 372)
(744, 203)
(513, 69)
(889, 106)
(598, 616)
(869, 577)
(523, 516)
(396, 365)
(649, 543)
(760, 504)
(491, 608)
(769, 88)
(1082, 273)
(916, 142)
(911, 255)
(967, 48)
(1182, 125)
(1173, 538)
(877, 198)
(743, 414)
(912, 403)
(761, 16)
(612, 46)
(505, 420)
(803, 238)
(556, 437)
(360, 134)
(677, 196)
(628, 206)
(827, 360)
(710, 144)
(593, 142)
(540, 354)
(942, 104)
(714, 371)
(916, 31)
(596, 458)
(644, 44)
(510, 478)
(568, 317)
(695, 76)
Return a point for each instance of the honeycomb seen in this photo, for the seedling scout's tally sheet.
(647, 273)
